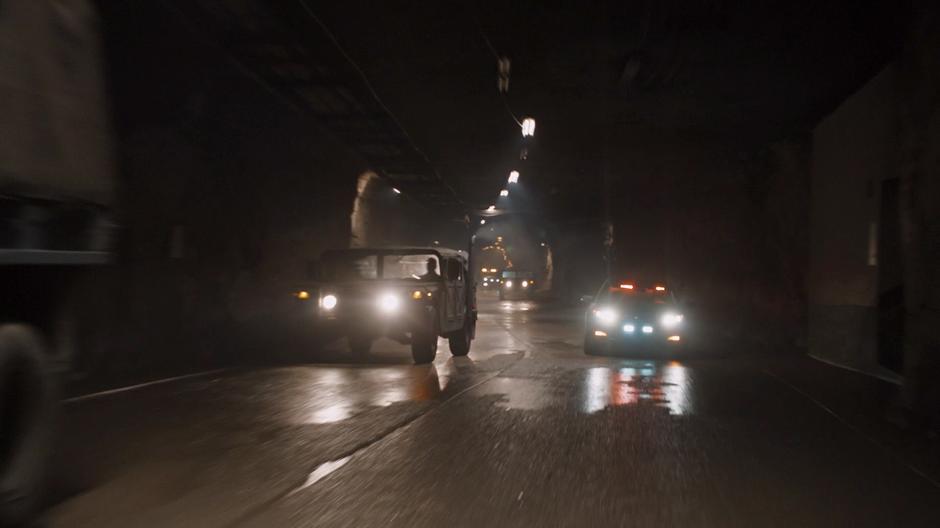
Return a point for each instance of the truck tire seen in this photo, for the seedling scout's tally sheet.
(359, 346)
(460, 340)
(27, 419)
(423, 346)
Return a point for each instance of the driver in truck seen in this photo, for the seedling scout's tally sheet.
(431, 273)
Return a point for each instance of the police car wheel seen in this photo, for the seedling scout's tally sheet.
(27, 419)
(590, 348)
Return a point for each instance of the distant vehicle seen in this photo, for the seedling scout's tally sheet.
(516, 285)
(627, 317)
(489, 278)
(411, 295)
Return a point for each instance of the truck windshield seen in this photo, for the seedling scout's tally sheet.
(410, 267)
(356, 266)
(350, 267)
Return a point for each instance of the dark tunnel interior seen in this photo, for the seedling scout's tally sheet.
(686, 228)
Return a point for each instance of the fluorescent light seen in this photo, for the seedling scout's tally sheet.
(528, 127)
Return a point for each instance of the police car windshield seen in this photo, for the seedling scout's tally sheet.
(637, 300)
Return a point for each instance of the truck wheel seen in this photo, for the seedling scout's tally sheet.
(459, 341)
(423, 347)
(27, 418)
(360, 346)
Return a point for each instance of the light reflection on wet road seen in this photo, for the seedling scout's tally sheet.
(664, 384)
(526, 431)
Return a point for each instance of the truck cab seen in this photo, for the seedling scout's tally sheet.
(411, 295)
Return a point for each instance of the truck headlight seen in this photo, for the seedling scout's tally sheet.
(670, 319)
(389, 303)
(328, 302)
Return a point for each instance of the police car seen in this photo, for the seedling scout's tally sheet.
(626, 316)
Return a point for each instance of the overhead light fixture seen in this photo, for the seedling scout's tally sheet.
(504, 192)
(528, 127)
(514, 177)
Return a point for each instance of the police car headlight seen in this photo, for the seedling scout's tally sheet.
(670, 319)
(389, 303)
(328, 302)
(606, 316)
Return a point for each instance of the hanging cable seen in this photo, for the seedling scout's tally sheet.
(375, 95)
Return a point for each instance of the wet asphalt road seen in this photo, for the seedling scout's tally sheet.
(526, 431)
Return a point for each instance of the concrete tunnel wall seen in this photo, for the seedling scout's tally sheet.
(854, 152)
(723, 221)
(875, 274)
(226, 193)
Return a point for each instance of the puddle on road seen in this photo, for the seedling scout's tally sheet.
(522, 393)
(322, 471)
(644, 383)
(334, 394)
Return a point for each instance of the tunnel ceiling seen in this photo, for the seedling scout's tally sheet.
(745, 71)
(281, 46)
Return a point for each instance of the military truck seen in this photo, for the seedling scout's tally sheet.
(56, 194)
(412, 295)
